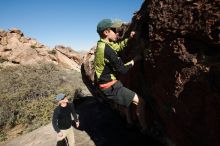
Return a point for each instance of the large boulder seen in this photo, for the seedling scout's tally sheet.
(179, 75)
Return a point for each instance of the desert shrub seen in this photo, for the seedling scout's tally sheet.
(3, 136)
(53, 52)
(27, 93)
(33, 46)
(2, 60)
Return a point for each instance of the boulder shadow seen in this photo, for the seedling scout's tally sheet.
(105, 126)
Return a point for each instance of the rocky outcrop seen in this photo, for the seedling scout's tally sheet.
(69, 53)
(16, 49)
(179, 75)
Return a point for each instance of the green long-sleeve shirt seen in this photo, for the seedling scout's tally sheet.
(107, 61)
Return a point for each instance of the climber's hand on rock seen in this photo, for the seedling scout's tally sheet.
(132, 34)
(77, 124)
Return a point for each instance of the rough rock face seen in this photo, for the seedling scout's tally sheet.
(180, 74)
(16, 49)
(71, 54)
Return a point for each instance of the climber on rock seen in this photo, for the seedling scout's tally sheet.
(107, 63)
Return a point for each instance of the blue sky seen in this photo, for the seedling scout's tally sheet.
(71, 23)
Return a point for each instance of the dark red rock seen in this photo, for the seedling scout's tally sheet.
(180, 74)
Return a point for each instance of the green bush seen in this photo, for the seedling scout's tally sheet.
(52, 52)
(33, 46)
(3, 136)
(27, 93)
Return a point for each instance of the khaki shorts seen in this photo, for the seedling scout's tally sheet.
(119, 94)
(69, 134)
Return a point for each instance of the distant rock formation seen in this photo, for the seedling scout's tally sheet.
(17, 49)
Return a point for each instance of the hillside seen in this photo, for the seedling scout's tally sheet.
(31, 74)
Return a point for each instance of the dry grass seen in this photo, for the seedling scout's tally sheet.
(27, 94)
